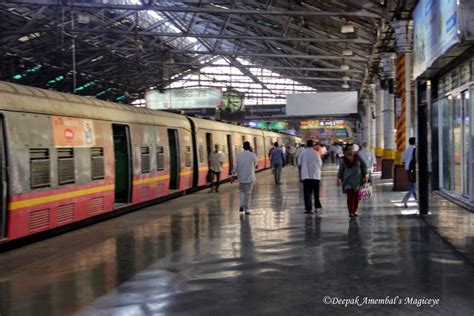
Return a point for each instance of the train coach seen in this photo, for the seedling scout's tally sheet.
(66, 158)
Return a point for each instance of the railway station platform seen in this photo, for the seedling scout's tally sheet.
(197, 255)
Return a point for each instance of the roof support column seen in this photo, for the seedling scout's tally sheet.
(404, 37)
(389, 117)
(379, 131)
(372, 138)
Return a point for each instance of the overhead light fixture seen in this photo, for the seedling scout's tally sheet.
(346, 78)
(345, 67)
(28, 37)
(347, 52)
(347, 28)
(345, 85)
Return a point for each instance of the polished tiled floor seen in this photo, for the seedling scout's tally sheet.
(453, 223)
(198, 256)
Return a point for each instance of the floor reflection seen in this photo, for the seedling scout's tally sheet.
(198, 255)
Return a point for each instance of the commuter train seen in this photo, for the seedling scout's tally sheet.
(66, 159)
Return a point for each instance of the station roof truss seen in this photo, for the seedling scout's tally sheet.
(117, 49)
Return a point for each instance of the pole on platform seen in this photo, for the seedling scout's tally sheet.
(389, 117)
(422, 145)
(379, 133)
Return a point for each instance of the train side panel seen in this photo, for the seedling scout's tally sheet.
(50, 181)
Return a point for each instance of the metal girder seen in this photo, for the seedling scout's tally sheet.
(282, 55)
(274, 67)
(283, 77)
(188, 9)
(217, 36)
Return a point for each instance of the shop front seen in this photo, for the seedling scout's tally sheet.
(453, 112)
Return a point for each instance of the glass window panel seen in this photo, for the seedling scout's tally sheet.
(445, 150)
(457, 141)
(466, 142)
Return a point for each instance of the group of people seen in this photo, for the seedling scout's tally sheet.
(355, 168)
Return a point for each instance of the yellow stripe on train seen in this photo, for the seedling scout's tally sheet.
(57, 197)
(149, 180)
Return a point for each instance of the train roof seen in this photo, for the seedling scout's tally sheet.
(14, 97)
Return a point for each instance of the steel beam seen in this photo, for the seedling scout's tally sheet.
(282, 55)
(190, 9)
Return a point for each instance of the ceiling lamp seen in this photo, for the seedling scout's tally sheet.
(347, 52)
(346, 78)
(345, 67)
(347, 28)
(345, 85)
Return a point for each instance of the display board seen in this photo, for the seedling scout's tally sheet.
(184, 99)
(436, 28)
(233, 101)
(275, 125)
(316, 124)
(321, 103)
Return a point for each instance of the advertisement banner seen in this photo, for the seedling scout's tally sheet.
(184, 99)
(435, 31)
(315, 124)
(73, 132)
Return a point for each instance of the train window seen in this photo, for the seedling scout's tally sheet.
(66, 170)
(201, 153)
(39, 168)
(187, 156)
(145, 159)
(160, 158)
(97, 163)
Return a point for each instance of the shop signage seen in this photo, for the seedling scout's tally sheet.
(435, 31)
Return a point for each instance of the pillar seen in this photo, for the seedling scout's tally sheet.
(379, 125)
(372, 117)
(367, 120)
(388, 158)
(404, 34)
(423, 89)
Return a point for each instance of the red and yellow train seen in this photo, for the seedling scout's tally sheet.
(66, 158)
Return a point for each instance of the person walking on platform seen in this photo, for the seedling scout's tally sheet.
(310, 162)
(368, 157)
(339, 153)
(245, 165)
(352, 174)
(277, 157)
(409, 158)
(216, 161)
(298, 153)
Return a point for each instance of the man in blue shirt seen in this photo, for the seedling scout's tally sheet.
(276, 157)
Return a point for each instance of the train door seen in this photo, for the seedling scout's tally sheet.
(123, 168)
(174, 158)
(3, 185)
(229, 152)
(208, 144)
(255, 146)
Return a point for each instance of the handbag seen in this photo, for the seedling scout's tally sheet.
(365, 192)
(209, 176)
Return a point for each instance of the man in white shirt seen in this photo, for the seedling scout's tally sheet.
(299, 151)
(311, 163)
(369, 158)
(245, 165)
(216, 161)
